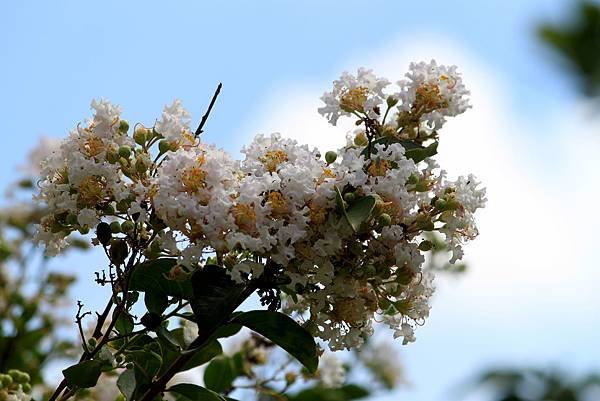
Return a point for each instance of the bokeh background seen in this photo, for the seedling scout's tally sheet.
(531, 294)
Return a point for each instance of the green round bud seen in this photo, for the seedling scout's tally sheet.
(349, 197)
(22, 378)
(425, 246)
(129, 366)
(123, 206)
(71, 219)
(26, 387)
(441, 204)
(123, 126)
(391, 101)
(140, 165)
(115, 227)
(118, 359)
(118, 251)
(109, 209)
(83, 230)
(384, 219)
(140, 135)
(369, 271)
(330, 157)
(127, 226)
(164, 146)
(6, 380)
(92, 342)
(125, 152)
(103, 233)
(112, 156)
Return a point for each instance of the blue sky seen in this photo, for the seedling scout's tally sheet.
(270, 56)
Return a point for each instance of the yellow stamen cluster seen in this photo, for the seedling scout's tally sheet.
(428, 99)
(93, 146)
(379, 167)
(272, 159)
(91, 191)
(354, 99)
(245, 217)
(194, 178)
(327, 173)
(279, 206)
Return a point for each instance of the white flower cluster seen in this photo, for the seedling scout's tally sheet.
(344, 232)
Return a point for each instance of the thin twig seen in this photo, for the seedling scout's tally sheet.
(210, 106)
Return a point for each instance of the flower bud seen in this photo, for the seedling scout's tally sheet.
(330, 156)
(441, 204)
(151, 320)
(103, 233)
(164, 146)
(425, 246)
(125, 152)
(92, 342)
(26, 387)
(112, 156)
(123, 206)
(140, 135)
(83, 230)
(71, 219)
(391, 101)
(115, 227)
(109, 209)
(118, 251)
(123, 126)
(140, 165)
(384, 219)
(127, 226)
(361, 139)
(349, 197)
(290, 377)
(6, 380)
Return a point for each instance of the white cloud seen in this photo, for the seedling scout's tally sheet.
(531, 289)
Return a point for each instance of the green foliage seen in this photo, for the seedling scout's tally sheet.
(285, 332)
(578, 42)
(84, 374)
(344, 393)
(192, 392)
(153, 277)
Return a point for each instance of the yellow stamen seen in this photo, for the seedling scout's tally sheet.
(279, 205)
(272, 159)
(354, 99)
(379, 167)
(245, 217)
(90, 191)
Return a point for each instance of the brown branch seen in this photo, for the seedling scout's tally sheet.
(210, 106)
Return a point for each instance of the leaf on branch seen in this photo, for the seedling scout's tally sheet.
(285, 332)
(193, 392)
(84, 374)
(360, 211)
(127, 384)
(216, 296)
(220, 374)
(153, 276)
(420, 153)
(124, 324)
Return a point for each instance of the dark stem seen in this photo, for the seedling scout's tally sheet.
(210, 106)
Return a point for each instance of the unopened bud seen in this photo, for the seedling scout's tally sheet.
(349, 197)
(92, 342)
(391, 101)
(71, 219)
(140, 165)
(103, 233)
(140, 135)
(425, 246)
(26, 387)
(290, 377)
(127, 226)
(123, 126)
(361, 139)
(441, 204)
(330, 156)
(123, 206)
(118, 251)
(112, 156)
(164, 146)
(115, 227)
(125, 152)
(384, 219)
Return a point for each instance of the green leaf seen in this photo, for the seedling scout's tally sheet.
(216, 296)
(127, 383)
(360, 211)
(220, 374)
(203, 355)
(420, 153)
(147, 362)
(285, 332)
(339, 200)
(227, 330)
(344, 393)
(153, 276)
(193, 392)
(124, 324)
(84, 374)
(156, 301)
